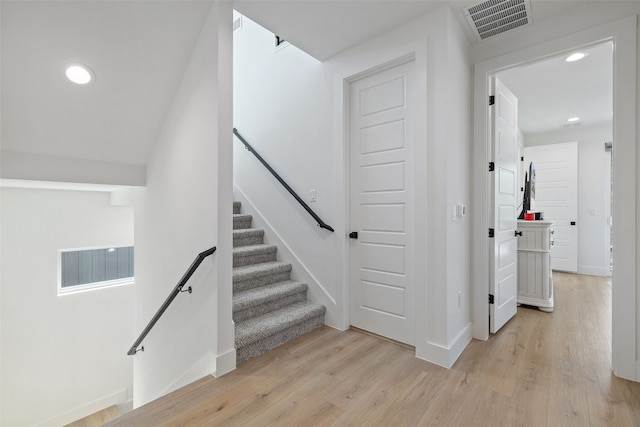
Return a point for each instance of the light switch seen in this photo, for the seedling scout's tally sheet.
(313, 195)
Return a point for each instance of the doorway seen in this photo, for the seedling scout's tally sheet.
(565, 106)
(622, 34)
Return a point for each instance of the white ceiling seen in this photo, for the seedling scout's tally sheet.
(551, 91)
(139, 51)
(324, 28)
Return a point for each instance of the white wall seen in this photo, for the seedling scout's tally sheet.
(458, 145)
(283, 106)
(186, 209)
(63, 357)
(593, 228)
(291, 108)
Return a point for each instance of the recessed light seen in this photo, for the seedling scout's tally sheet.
(575, 57)
(573, 119)
(79, 74)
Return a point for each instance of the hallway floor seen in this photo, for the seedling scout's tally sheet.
(541, 369)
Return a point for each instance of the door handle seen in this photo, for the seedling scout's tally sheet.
(573, 223)
(353, 235)
(518, 233)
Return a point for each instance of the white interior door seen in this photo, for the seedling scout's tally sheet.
(381, 170)
(557, 196)
(503, 246)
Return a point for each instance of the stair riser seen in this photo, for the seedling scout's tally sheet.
(263, 280)
(241, 223)
(260, 347)
(258, 310)
(236, 208)
(239, 241)
(242, 261)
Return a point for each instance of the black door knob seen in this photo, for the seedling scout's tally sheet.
(353, 235)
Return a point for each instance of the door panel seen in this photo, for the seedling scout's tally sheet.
(557, 196)
(381, 143)
(389, 218)
(503, 247)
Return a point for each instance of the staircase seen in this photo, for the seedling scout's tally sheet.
(269, 308)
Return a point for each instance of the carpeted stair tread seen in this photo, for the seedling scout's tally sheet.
(247, 237)
(254, 249)
(262, 327)
(241, 221)
(253, 254)
(265, 294)
(246, 272)
(262, 346)
(248, 232)
(256, 275)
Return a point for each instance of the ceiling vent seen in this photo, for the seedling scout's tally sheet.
(493, 17)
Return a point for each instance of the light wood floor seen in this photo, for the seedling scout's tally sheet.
(541, 369)
(98, 418)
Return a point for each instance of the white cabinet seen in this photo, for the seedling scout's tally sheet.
(535, 283)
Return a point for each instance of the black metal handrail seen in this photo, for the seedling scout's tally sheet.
(194, 266)
(320, 222)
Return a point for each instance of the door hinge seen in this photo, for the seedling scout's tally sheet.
(492, 166)
(491, 232)
(492, 100)
(490, 299)
(521, 159)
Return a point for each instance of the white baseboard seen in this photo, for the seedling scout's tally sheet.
(445, 356)
(125, 407)
(200, 369)
(225, 363)
(75, 414)
(594, 271)
(460, 343)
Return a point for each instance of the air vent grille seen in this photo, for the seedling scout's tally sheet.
(493, 17)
